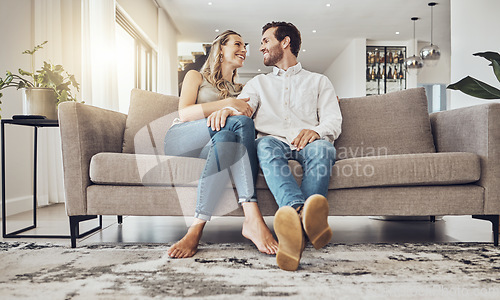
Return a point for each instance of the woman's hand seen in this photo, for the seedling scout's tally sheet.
(217, 119)
(241, 105)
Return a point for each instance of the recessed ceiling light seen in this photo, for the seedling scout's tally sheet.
(303, 50)
(328, 5)
(258, 70)
(397, 32)
(314, 31)
(209, 3)
(217, 30)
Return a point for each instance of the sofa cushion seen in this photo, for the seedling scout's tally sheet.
(156, 170)
(392, 170)
(144, 169)
(393, 123)
(150, 116)
(406, 170)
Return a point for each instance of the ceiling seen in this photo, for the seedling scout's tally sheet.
(335, 22)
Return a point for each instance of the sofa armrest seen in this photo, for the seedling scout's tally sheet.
(85, 131)
(474, 129)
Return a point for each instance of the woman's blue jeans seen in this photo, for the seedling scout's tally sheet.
(232, 149)
(316, 159)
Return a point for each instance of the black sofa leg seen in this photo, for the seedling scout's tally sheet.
(74, 227)
(120, 219)
(433, 219)
(495, 222)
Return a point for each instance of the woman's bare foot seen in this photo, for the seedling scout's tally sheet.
(256, 230)
(188, 245)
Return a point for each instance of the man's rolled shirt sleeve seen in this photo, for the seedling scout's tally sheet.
(329, 115)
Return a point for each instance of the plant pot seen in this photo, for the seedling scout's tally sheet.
(40, 101)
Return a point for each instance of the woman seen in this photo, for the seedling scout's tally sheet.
(228, 147)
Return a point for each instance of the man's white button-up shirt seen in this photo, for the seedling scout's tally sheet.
(285, 102)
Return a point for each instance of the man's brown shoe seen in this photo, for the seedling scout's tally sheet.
(315, 221)
(291, 239)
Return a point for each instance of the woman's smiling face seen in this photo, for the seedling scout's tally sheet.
(234, 51)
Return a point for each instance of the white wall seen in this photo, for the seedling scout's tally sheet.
(474, 28)
(439, 74)
(167, 55)
(15, 18)
(347, 72)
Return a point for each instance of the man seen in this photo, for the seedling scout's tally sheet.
(297, 117)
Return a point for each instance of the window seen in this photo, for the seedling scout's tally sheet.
(436, 96)
(137, 61)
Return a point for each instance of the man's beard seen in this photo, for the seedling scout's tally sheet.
(275, 55)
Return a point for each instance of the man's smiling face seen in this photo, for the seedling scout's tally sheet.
(271, 48)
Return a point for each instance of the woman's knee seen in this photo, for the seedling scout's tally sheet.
(242, 121)
(224, 136)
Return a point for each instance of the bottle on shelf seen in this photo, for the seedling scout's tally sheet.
(384, 69)
(401, 75)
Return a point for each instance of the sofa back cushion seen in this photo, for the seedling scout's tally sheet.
(393, 123)
(150, 116)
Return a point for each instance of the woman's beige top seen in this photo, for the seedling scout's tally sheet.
(208, 93)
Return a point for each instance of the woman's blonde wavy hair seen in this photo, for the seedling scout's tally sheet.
(212, 68)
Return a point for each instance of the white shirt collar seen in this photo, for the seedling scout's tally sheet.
(292, 70)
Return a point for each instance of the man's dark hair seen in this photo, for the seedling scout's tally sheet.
(284, 29)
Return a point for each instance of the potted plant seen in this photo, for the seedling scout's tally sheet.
(43, 89)
(477, 88)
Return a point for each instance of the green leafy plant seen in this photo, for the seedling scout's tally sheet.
(477, 88)
(49, 76)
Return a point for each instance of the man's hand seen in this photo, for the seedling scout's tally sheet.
(217, 119)
(305, 137)
(241, 105)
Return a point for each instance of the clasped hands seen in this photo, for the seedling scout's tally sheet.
(217, 120)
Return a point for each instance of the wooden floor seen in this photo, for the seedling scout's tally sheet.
(53, 220)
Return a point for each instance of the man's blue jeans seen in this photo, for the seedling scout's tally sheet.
(232, 149)
(317, 159)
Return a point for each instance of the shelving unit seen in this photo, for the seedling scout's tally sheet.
(385, 69)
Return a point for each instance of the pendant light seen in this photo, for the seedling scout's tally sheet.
(431, 53)
(414, 62)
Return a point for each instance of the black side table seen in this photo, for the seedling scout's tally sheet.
(35, 123)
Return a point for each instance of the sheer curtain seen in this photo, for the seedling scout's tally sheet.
(99, 84)
(80, 35)
(47, 21)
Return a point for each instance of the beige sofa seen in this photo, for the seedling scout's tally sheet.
(393, 160)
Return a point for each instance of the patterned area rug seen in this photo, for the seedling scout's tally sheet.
(228, 271)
